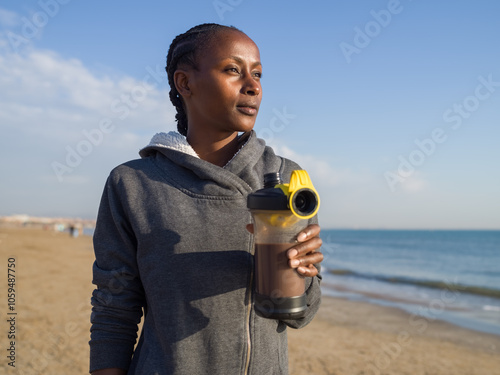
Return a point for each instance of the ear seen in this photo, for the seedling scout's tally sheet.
(181, 81)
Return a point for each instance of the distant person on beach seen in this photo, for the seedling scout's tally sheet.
(74, 231)
(172, 238)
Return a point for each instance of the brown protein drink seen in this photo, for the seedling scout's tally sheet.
(279, 289)
(273, 275)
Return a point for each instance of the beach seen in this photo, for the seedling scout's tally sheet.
(49, 317)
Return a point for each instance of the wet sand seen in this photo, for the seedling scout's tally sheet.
(53, 288)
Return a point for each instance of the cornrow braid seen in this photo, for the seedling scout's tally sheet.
(182, 51)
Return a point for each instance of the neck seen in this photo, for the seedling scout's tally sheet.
(217, 151)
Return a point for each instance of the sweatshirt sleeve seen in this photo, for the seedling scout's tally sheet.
(118, 300)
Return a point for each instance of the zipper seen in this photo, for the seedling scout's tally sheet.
(249, 311)
(249, 342)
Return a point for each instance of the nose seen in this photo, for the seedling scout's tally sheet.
(252, 87)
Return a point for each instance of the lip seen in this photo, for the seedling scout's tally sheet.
(247, 109)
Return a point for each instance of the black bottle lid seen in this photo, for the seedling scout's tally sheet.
(269, 198)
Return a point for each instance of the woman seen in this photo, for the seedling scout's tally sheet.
(172, 238)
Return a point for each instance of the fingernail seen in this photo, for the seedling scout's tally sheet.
(294, 262)
(292, 253)
(301, 237)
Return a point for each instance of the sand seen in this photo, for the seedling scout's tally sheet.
(53, 288)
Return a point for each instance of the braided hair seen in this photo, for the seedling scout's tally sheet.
(183, 51)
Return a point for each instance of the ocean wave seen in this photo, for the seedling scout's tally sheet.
(491, 308)
(434, 284)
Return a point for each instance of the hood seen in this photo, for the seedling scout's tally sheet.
(241, 172)
(171, 140)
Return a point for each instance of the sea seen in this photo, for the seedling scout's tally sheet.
(450, 275)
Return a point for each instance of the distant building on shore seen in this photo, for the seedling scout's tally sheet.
(59, 224)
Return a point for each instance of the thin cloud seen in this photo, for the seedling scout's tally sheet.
(325, 174)
(9, 19)
(414, 183)
(50, 105)
(44, 94)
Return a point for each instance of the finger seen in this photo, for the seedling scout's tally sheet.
(311, 231)
(250, 228)
(304, 248)
(309, 271)
(306, 261)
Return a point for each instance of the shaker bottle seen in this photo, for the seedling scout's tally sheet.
(279, 212)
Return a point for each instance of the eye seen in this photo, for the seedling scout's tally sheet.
(257, 75)
(233, 70)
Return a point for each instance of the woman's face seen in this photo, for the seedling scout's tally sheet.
(225, 89)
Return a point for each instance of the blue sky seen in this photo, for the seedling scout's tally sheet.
(391, 106)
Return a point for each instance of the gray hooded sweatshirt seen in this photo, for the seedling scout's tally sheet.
(171, 242)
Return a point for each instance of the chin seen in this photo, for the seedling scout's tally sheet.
(246, 127)
(241, 128)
